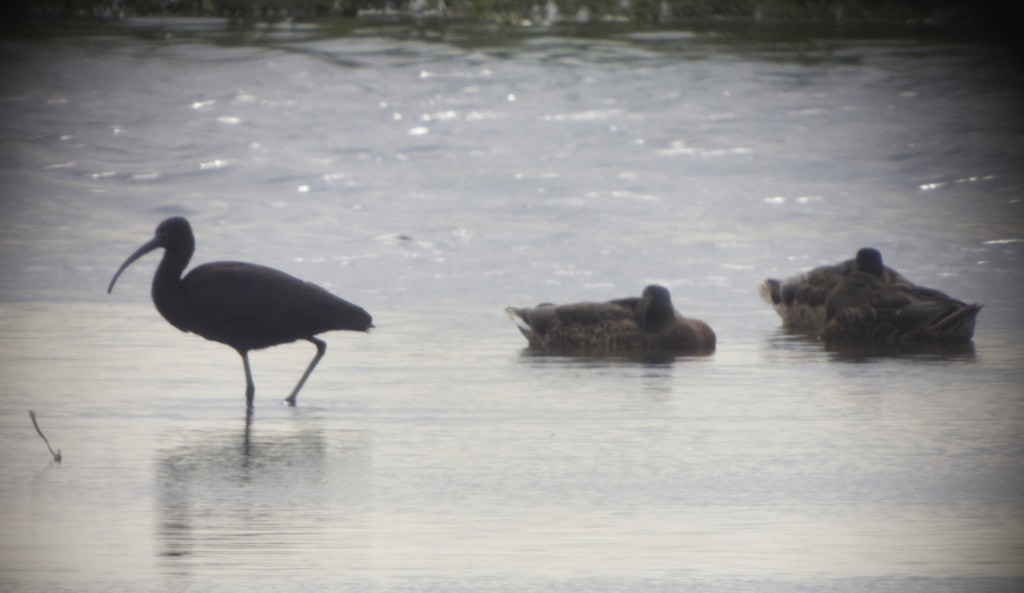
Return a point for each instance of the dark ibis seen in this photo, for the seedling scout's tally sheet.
(245, 306)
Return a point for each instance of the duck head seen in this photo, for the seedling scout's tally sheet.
(655, 308)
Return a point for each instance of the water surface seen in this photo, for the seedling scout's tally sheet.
(434, 179)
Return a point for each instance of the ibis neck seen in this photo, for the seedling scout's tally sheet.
(167, 293)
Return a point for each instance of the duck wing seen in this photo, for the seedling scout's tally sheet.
(863, 308)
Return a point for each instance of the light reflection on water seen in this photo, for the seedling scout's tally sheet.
(488, 465)
(228, 502)
(434, 183)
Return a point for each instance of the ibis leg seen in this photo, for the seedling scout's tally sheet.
(250, 387)
(321, 347)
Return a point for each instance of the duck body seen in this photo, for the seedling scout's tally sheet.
(800, 300)
(863, 308)
(647, 323)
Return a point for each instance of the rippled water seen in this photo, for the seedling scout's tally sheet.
(434, 178)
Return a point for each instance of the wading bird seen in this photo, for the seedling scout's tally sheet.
(245, 306)
(648, 323)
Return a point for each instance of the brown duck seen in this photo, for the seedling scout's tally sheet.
(647, 323)
(864, 307)
(800, 300)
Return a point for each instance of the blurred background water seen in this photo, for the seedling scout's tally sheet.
(434, 176)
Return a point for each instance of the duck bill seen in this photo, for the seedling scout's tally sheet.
(150, 246)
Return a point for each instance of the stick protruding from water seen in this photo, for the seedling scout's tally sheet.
(56, 456)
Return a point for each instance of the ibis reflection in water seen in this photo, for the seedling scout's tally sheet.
(245, 306)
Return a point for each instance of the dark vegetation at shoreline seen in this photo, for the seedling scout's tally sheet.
(1005, 16)
(996, 23)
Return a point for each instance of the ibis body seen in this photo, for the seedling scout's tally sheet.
(242, 305)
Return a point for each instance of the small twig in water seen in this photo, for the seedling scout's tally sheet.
(56, 456)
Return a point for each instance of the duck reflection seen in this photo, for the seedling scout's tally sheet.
(653, 368)
(258, 499)
(928, 351)
(589, 358)
(788, 343)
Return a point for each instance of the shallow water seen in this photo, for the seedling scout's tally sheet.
(436, 179)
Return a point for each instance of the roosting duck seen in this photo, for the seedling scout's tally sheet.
(800, 300)
(864, 307)
(647, 323)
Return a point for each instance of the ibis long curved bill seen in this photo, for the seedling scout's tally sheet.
(153, 244)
